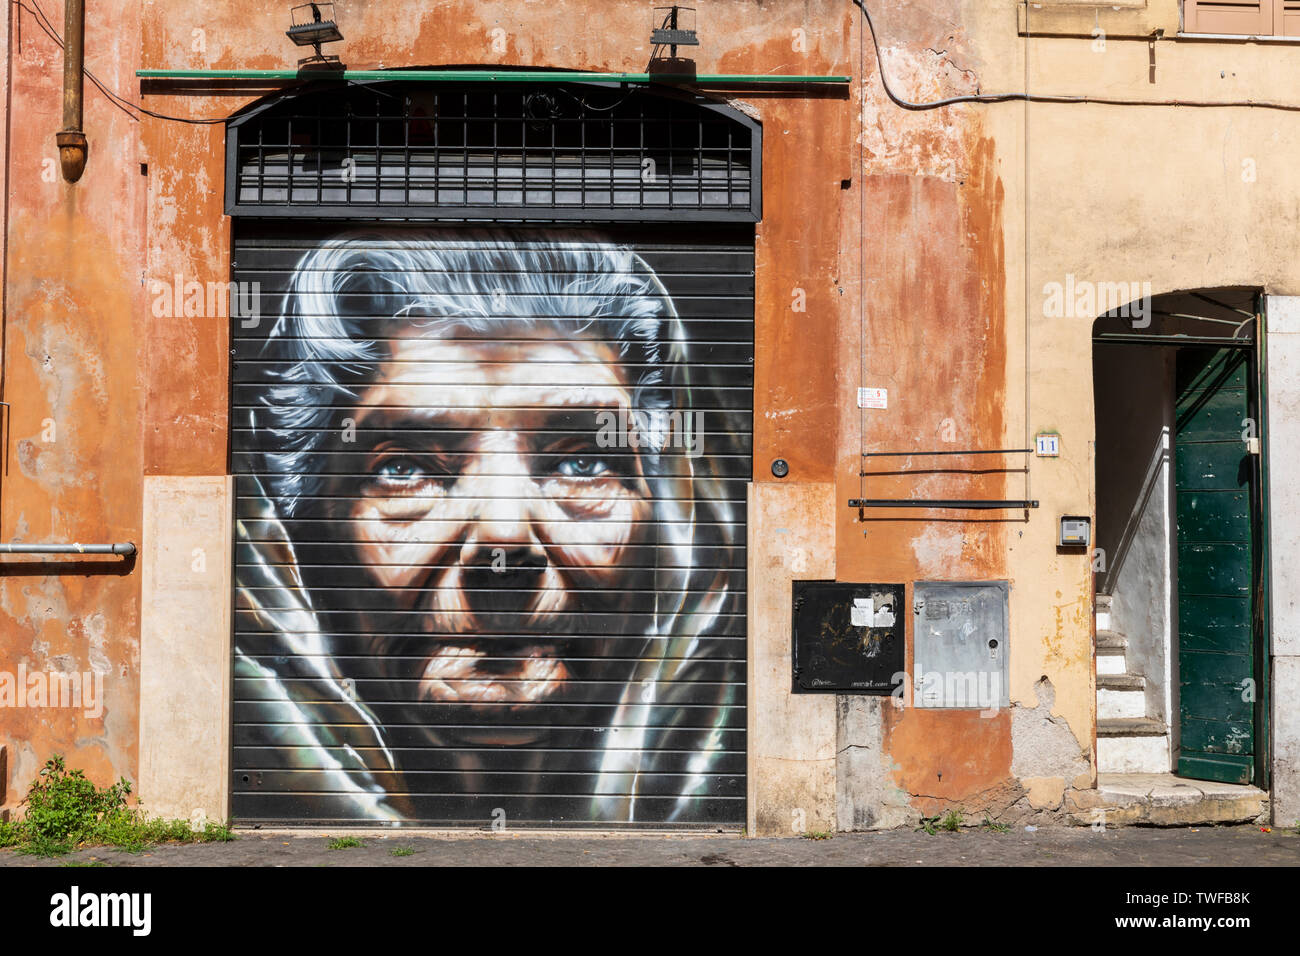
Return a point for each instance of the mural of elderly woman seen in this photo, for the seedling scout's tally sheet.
(487, 568)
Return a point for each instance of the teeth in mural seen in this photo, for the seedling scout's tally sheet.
(543, 676)
(454, 675)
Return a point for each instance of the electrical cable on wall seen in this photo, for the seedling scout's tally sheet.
(120, 102)
(127, 106)
(1050, 97)
(1028, 293)
(862, 265)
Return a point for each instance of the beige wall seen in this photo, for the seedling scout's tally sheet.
(1177, 197)
(791, 737)
(185, 648)
(1183, 198)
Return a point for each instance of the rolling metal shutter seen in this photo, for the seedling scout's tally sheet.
(490, 524)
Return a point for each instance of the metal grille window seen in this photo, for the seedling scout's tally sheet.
(472, 152)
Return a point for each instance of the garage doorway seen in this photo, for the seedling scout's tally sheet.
(491, 459)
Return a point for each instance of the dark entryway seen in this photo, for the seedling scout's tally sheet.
(1179, 564)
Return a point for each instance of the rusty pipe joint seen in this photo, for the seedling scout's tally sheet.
(71, 139)
(72, 153)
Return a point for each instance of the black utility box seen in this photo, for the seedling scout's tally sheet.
(848, 638)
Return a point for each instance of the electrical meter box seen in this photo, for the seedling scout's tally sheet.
(1076, 531)
(960, 633)
(848, 638)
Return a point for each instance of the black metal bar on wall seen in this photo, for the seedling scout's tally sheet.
(987, 504)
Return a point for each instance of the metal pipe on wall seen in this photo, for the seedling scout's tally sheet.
(71, 139)
(72, 157)
(124, 548)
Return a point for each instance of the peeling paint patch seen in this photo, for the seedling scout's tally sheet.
(949, 758)
(931, 146)
(866, 797)
(1043, 745)
(937, 549)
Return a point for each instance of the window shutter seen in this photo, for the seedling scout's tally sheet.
(1238, 17)
(1288, 18)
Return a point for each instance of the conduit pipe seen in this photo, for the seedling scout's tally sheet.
(71, 139)
(124, 548)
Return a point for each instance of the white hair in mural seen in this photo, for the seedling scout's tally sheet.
(347, 300)
(476, 281)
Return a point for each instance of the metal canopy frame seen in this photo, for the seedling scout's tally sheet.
(508, 76)
(707, 156)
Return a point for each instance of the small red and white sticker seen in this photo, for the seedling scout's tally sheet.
(873, 398)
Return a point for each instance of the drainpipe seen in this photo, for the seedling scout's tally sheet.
(72, 157)
(71, 139)
(124, 548)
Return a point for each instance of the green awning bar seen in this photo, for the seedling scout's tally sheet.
(485, 76)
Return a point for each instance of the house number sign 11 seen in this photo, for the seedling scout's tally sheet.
(1048, 445)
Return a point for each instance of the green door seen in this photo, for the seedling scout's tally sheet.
(1216, 490)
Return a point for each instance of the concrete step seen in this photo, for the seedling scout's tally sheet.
(1119, 703)
(1111, 664)
(1161, 799)
(1121, 682)
(1102, 604)
(1110, 642)
(1137, 754)
(1132, 745)
(1131, 727)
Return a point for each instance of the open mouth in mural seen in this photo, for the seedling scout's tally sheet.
(461, 673)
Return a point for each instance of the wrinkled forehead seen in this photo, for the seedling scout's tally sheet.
(458, 375)
(526, 356)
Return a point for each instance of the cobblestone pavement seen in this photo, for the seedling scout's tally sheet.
(1049, 846)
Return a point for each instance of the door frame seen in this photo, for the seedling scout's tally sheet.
(1262, 623)
(1264, 604)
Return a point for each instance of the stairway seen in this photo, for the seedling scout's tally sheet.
(1128, 741)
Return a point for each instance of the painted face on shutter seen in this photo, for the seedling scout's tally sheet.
(494, 523)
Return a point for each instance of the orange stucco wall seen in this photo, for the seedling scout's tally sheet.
(74, 326)
(135, 394)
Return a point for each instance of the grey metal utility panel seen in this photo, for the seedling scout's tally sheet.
(960, 644)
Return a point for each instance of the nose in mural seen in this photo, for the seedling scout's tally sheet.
(503, 652)
(503, 564)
